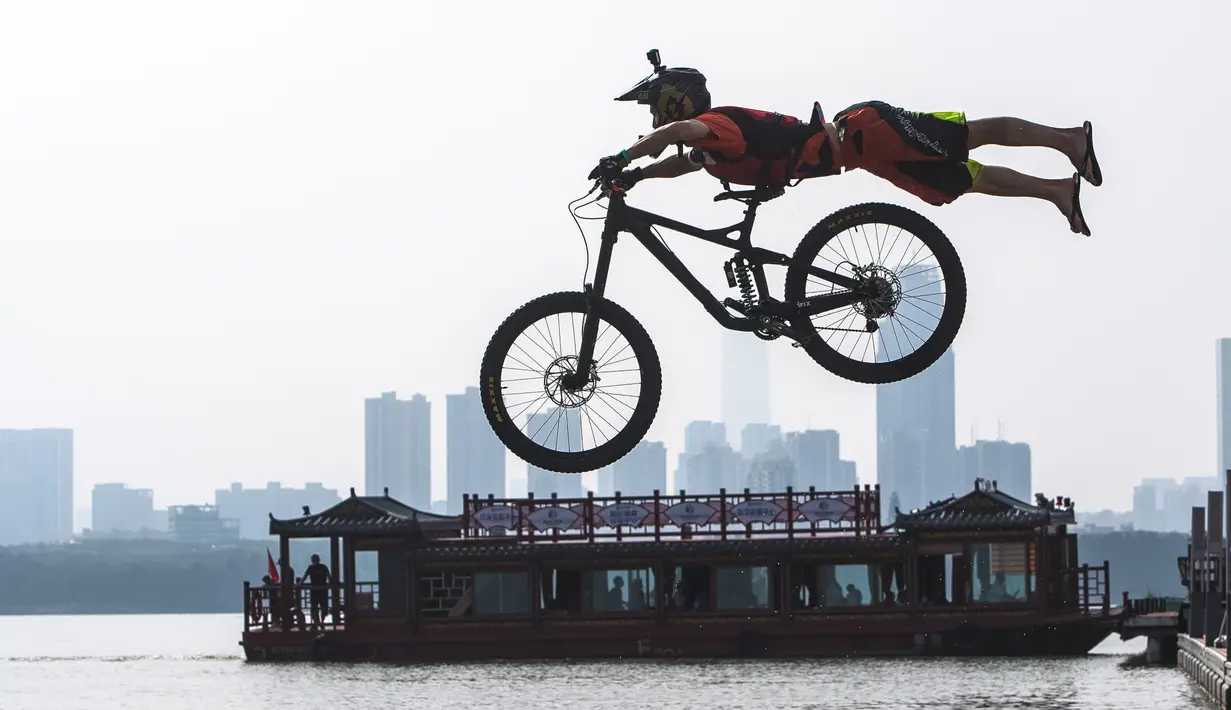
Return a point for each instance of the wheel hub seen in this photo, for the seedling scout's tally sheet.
(883, 293)
(565, 386)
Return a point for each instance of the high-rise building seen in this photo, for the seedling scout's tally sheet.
(745, 382)
(698, 436)
(36, 485)
(915, 417)
(818, 461)
(604, 481)
(712, 469)
(771, 469)
(475, 458)
(201, 524)
(117, 508)
(397, 448)
(251, 507)
(1165, 504)
(556, 429)
(420, 496)
(642, 471)
(757, 437)
(1006, 463)
(1222, 351)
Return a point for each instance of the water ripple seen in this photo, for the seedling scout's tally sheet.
(190, 663)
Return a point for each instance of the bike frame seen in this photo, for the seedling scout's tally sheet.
(623, 218)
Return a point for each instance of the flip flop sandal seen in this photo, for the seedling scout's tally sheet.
(1090, 162)
(1075, 210)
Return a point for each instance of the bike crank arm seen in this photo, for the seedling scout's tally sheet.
(770, 323)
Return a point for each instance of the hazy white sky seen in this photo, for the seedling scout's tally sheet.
(223, 225)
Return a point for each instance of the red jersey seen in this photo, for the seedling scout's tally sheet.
(751, 147)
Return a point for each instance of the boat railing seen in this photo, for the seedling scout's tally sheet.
(1150, 605)
(264, 608)
(1093, 589)
(792, 513)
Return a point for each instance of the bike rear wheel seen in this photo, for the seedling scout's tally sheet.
(547, 425)
(918, 282)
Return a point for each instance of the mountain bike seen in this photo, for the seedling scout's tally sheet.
(571, 381)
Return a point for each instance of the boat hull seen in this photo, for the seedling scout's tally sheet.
(886, 635)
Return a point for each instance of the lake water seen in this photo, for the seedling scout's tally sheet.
(189, 662)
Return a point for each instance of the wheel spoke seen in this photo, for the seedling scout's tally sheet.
(910, 286)
(553, 409)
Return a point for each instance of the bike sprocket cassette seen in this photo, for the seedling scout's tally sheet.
(884, 292)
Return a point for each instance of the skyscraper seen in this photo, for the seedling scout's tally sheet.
(1222, 350)
(557, 430)
(915, 438)
(699, 436)
(475, 458)
(642, 471)
(757, 438)
(1005, 462)
(818, 461)
(397, 448)
(36, 485)
(915, 417)
(420, 495)
(745, 382)
(116, 507)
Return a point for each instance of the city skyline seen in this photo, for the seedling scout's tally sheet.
(515, 480)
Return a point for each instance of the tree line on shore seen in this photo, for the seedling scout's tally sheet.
(135, 577)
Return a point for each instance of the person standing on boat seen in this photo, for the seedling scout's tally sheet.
(318, 577)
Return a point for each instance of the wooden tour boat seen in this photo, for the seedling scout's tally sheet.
(793, 574)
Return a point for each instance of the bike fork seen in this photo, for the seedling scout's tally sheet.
(589, 327)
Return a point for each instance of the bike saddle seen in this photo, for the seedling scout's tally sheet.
(760, 194)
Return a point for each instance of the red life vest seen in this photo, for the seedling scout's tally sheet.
(772, 148)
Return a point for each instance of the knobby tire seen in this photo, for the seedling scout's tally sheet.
(508, 430)
(947, 259)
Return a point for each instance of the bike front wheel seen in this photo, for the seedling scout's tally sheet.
(915, 290)
(570, 429)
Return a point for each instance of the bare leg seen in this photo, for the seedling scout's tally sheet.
(1005, 182)
(1016, 132)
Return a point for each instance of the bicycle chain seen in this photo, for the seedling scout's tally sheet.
(843, 330)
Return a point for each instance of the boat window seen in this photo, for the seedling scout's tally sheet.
(848, 585)
(742, 588)
(938, 578)
(619, 590)
(367, 585)
(1000, 574)
(501, 593)
(444, 593)
(690, 589)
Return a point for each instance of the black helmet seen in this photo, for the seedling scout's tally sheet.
(675, 94)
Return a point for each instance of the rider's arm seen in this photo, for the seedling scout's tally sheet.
(658, 140)
(673, 166)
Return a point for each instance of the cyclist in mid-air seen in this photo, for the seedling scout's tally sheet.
(926, 154)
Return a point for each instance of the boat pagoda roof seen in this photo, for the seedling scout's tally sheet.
(987, 508)
(364, 515)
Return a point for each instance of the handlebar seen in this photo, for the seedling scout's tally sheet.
(607, 183)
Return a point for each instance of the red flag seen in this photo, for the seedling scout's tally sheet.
(273, 568)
